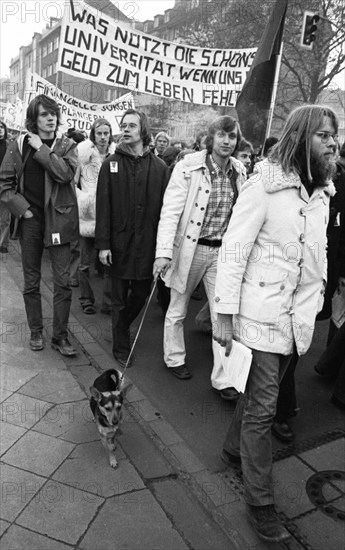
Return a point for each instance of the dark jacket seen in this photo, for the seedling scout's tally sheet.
(128, 203)
(60, 201)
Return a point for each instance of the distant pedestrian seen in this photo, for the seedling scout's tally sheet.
(244, 152)
(91, 154)
(5, 214)
(269, 289)
(130, 190)
(162, 141)
(36, 185)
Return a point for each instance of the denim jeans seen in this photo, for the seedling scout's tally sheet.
(128, 299)
(5, 222)
(204, 267)
(87, 248)
(31, 241)
(249, 434)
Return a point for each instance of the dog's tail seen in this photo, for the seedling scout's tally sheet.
(110, 380)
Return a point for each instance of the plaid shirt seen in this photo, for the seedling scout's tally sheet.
(222, 198)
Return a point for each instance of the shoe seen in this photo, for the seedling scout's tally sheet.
(266, 523)
(36, 341)
(89, 309)
(229, 394)
(336, 401)
(3, 249)
(122, 361)
(181, 372)
(63, 346)
(282, 431)
(230, 460)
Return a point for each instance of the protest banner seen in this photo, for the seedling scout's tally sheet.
(14, 115)
(93, 46)
(77, 113)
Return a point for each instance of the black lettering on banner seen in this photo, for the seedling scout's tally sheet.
(101, 25)
(80, 63)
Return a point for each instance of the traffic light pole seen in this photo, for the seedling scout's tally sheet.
(274, 93)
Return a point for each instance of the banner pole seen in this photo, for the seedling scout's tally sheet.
(274, 94)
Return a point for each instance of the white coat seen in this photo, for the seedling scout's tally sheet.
(89, 165)
(183, 212)
(272, 265)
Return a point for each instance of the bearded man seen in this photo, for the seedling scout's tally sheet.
(270, 283)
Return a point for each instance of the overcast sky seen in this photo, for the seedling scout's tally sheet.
(20, 19)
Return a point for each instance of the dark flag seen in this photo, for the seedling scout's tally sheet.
(253, 103)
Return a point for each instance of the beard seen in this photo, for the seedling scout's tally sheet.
(321, 170)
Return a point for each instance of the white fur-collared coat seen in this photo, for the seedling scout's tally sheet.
(272, 265)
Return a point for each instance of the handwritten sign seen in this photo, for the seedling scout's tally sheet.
(93, 46)
(77, 113)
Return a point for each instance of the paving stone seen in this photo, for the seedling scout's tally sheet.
(326, 457)
(4, 394)
(106, 362)
(290, 477)
(88, 469)
(146, 457)
(216, 488)
(17, 538)
(190, 519)
(135, 394)
(322, 532)
(38, 453)
(13, 377)
(85, 374)
(165, 432)
(61, 512)
(94, 349)
(3, 526)
(17, 489)
(23, 410)
(55, 387)
(9, 435)
(146, 410)
(188, 459)
(134, 521)
(69, 421)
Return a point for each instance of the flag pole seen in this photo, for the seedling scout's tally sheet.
(274, 94)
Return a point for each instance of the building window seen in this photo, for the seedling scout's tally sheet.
(56, 43)
(167, 16)
(50, 47)
(54, 67)
(44, 72)
(44, 50)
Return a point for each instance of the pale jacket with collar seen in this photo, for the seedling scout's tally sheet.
(89, 165)
(183, 212)
(272, 265)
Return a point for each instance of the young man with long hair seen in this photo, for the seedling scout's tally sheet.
(269, 288)
(36, 185)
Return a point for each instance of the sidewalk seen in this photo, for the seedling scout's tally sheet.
(59, 492)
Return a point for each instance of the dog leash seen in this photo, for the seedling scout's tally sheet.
(139, 329)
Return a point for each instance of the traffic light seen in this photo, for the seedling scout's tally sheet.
(309, 29)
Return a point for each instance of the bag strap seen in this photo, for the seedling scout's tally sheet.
(21, 170)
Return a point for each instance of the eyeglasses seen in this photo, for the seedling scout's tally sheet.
(325, 136)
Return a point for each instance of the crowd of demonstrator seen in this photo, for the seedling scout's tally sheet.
(149, 209)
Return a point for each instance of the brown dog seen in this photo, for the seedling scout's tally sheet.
(106, 401)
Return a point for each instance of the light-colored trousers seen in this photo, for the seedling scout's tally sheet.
(204, 267)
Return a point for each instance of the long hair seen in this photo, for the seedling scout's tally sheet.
(32, 111)
(226, 123)
(243, 145)
(295, 142)
(162, 135)
(4, 127)
(144, 125)
(96, 124)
